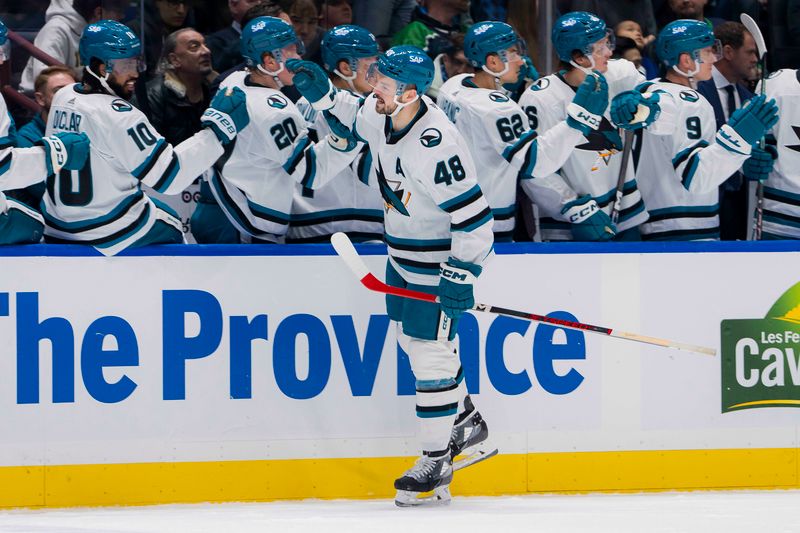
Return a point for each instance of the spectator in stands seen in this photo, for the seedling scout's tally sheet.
(383, 18)
(437, 19)
(305, 21)
(449, 61)
(48, 82)
(726, 91)
(334, 13)
(616, 11)
(626, 48)
(491, 10)
(224, 44)
(682, 9)
(630, 30)
(266, 8)
(793, 9)
(161, 18)
(64, 22)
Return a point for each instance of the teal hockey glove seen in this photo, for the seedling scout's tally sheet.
(585, 112)
(749, 123)
(455, 286)
(760, 163)
(527, 73)
(588, 221)
(313, 83)
(227, 114)
(65, 150)
(340, 138)
(632, 110)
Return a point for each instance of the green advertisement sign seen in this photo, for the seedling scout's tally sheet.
(761, 357)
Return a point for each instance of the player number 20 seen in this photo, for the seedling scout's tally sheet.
(284, 133)
(452, 170)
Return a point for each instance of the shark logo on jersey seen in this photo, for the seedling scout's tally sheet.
(795, 147)
(497, 96)
(120, 105)
(690, 96)
(278, 102)
(430, 138)
(391, 192)
(540, 84)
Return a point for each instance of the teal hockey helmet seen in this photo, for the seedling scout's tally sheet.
(268, 35)
(490, 37)
(686, 36)
(579, 31)
(108, 41)
(347, 42)
(406, 65)
(4, 44)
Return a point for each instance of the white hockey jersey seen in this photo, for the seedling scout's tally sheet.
(102, 204)
(681, 167)
(256, 178)
(782, 188)
(434, 206)
(502, 144)
(351, 202)
(19, 167)
(594, 165)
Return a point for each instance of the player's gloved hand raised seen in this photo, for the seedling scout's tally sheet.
(455, 286)
(312, 82)
(749, 124)
(585, 112)
(588, 221)
(226, 114)
(632, 110)
(341, 138)
(760, 163)
(65, 150)
(527, 72)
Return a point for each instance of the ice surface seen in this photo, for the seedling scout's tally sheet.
(684, 512)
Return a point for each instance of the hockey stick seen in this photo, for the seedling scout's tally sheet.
(623, 170)
(751, 26)
(345, 249)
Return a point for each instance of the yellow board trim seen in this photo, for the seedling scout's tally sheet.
(220, 481)
(765, 403)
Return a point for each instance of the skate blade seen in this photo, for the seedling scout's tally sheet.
(407, 498)
(480, 452)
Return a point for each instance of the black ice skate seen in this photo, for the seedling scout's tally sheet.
(429, 474)
(469, 438)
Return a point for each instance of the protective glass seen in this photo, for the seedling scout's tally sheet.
(128, 65)
(606, 43)
(5, 51)
(711, 54)
(381, 83)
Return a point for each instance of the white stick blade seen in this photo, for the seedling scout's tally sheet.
(751, 26)
(341, 243)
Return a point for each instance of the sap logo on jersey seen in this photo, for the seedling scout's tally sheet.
(303, 348)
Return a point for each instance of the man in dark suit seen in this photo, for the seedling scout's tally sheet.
(727, 91)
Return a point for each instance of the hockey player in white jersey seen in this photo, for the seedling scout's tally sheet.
(257, 176)
(587, 182)
(349, 202)
(683, 160)
(438, 231)
(103, 205)
(781, 218)
(496, 128)
(22, 167)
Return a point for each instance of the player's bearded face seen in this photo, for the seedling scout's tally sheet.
(385, 89)
(124, 73)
